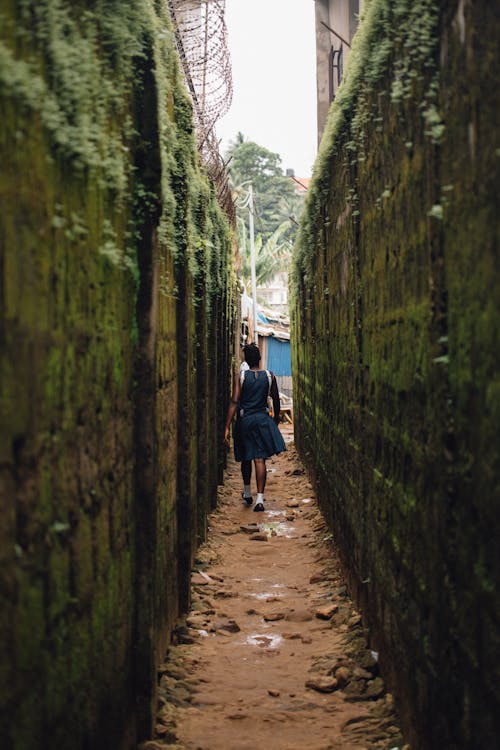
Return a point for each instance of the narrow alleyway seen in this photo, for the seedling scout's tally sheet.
(273, 653)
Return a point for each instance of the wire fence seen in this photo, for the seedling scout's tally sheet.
(201, 36)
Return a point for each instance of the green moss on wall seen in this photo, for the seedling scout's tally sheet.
(106, 215)
(395, 326)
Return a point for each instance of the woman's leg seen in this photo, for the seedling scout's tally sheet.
(260, 476)
(246, 474)
(246, 471)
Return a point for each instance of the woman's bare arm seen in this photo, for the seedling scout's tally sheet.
(232, 406)
(276, 399)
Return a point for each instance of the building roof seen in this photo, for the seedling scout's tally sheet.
(301, 183)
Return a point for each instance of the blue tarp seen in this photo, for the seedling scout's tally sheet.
(279, 358)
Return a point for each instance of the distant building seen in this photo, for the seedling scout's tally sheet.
(274, 345)
(274, 294)
(336, 24)
(301, 184)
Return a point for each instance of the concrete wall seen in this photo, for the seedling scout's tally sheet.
(116, 264)
(396, 343)
(340, 16)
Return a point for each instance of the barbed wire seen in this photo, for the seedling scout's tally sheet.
(201, 37)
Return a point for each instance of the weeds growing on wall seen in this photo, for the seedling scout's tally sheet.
(74, 70)
(397, 42)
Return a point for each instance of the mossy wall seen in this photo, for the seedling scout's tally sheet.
(396, 333)
(117, 283)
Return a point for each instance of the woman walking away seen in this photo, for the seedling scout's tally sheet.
(256, 435)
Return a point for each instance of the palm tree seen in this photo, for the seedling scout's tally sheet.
(271, 256)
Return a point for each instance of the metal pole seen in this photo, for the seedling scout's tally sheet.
(252, 263)
(335, 33)
(243, 237)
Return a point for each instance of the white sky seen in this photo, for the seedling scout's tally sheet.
(272, 47)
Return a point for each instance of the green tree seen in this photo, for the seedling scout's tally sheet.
(275, 196)
(277, 208)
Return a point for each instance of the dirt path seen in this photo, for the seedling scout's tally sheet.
(273, 654)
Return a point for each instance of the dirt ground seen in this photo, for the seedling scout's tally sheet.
(273, 653)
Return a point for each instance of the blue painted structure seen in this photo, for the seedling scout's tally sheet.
(279, 358)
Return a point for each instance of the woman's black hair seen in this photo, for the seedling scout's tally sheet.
(252, 354)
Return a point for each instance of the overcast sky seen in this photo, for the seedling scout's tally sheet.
(272, 47)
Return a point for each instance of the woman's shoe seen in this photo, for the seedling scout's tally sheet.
(259, 507)
(248, 499)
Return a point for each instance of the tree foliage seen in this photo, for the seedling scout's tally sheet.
(271, 257)
(277, 207)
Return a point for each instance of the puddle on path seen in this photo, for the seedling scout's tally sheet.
(275, 513)
(265, 595)
(279, 528)
(263, 640)
(268, 594)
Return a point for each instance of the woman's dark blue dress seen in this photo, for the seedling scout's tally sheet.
(255, 434)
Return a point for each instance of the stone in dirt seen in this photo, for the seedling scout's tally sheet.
(361, 673)
(223, 594)
(196, 620)
(260, 537)
(342, 676)
(168, 668)
(249, 528)
(326, 612)
(374, 688)
(298, 615)
(274, 693)
(368, 662)
(355, 690)
(292, 504)
(322, 684)
(198, 580)
(164, 732)
(320, 576)
(166, 715)
(230, 625)
(354, 621)
(215, 577)
(274, 616)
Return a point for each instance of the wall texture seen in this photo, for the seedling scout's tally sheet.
(396, 322)
(116, 329)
